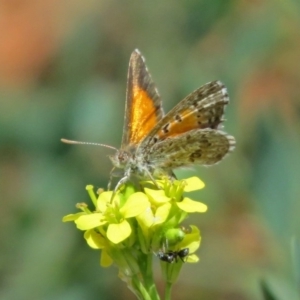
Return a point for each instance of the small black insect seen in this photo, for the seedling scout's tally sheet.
(172, 256)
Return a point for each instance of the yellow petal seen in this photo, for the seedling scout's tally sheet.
(90, 221)
(146, 218)
(191, 240)
(193, 258)
(103, 199)
(117, 233)
(157, 197)
(188, 205)
(135, 205)
(105, 260)
(193, 184)
(72, 217)
(162, 213)
(95, 240)
(194, 246)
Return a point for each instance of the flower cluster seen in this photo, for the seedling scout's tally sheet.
(130, 227)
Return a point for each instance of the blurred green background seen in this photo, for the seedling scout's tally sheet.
(63, 68)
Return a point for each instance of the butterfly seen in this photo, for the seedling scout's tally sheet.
(153, 144)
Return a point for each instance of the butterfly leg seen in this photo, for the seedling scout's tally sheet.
(110, 178)
(152, 178)
(172, 176)
(121, 181)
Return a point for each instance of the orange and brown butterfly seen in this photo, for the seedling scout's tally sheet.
(153, 143)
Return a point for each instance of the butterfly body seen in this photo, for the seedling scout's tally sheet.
(153, 143)
(137, 164)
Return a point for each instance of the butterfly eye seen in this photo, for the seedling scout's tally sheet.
(123, 157)
(119, 159)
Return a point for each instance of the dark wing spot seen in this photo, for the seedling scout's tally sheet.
(165, 129)
(178, 118)
(196, 154)
(201, 94)
(205, 143)
(219, 156)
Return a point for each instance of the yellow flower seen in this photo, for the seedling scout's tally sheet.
(97, 241)
(133, 225)
(112, 217)
(165, 201)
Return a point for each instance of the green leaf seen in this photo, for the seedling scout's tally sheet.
(267, 294)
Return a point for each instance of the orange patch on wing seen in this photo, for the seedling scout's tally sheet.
(143, 115)
(189, 121)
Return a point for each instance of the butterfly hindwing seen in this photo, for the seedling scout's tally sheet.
(203, 108)
(199, 146)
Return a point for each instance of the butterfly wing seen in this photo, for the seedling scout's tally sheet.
(198, 146)
(203, 108)
(143, 104)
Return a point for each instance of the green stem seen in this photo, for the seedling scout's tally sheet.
(150, 281)
(139, 289)
(140, 271)
(168, 291)
(149, 273)
(130, 272)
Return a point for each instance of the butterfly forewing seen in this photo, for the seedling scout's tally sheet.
(143, 104)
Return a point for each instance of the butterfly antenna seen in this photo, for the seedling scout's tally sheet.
(87, 143)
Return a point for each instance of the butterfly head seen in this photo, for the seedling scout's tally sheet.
(120, 159)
